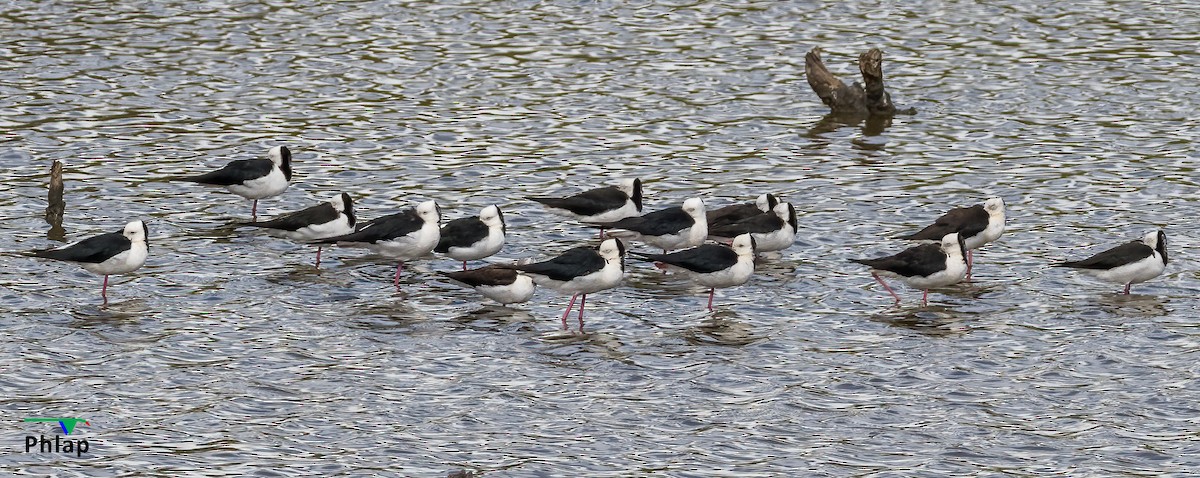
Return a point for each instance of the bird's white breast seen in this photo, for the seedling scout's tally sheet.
(1133, 272)
(125, 262)
(520, 290)
(273, 184)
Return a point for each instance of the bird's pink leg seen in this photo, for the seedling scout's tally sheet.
(464, 265)
(318, 257)
(570, 305)
(104, 289)
(1127, 288)
(885, 286)
(925, 298)
(254, 210)
(396, 281)
(711, 292)
(582, 299)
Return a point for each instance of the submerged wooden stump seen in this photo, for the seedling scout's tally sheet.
(854, 99)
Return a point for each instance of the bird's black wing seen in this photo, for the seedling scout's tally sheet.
(762, 223)
(382, 228)
(658, 223)
(966, 221)
(319, 214)
(702, 259)
(576, 262)
(1112, 258)
(588, 203)
(236, 172)
(923, 260)
(492, 275)
(731, 214)
(461, 232)
(92, 250)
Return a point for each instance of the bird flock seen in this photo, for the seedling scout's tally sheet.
(616, 211)
(713, 248)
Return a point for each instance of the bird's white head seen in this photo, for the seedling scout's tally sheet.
(612, 249)
(787, 212)
(953, 245)
(280, 155)
(632, 187)
(136, 231)
(1150, 238)
(744, 245)
(629, 185)
(695, 208)
(784, 210)
(429, 211)
(491, 216)
(1157, 240)
(766, 202)
(994, 206)
(342, 203)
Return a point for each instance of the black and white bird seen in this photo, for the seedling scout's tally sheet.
(923, 267)
(606, 204)
(773, 231)
(1130, 263)
(711, 265)
(978, 225)
(473, 238)
(501, 284)
(404, 236)
(253, 178)
(580, 271)
(667, 229)
(113, 253)
(334, 217)
(738, 212)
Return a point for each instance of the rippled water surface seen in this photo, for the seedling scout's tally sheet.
(229, 354)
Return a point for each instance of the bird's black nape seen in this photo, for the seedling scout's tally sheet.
(620, 246)
(503, 223)
(636, 197)
(285, 155)
(349, 204)
(1161, 247)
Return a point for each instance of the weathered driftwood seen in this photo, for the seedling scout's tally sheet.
(855, 99)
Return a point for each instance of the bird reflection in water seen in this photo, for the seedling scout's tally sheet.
(497, 318)
(1133, 305)
(934, 320)
(722, 327)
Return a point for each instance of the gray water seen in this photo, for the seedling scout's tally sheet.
(228, 354)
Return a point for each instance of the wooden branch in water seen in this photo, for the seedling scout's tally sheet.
(853, 99)
(56, 205)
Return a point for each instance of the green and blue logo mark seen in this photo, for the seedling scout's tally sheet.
(67, 423)
(59, 445)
